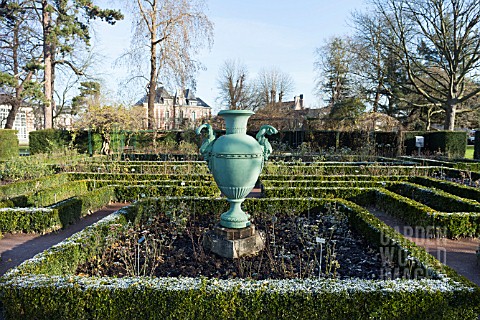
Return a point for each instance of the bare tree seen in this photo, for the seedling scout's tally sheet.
(174, 31)
(273, 83)
(235, 91)
(438, 44)
(20, 58)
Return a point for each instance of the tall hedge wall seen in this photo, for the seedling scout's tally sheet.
(8, 144)
(45, 141)
(451, 143)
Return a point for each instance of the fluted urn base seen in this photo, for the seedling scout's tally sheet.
(235, 217)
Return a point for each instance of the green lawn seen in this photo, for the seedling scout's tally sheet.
(469, 152)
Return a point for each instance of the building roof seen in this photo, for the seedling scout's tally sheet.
(162, 93)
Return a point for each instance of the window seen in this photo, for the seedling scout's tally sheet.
(193, 116)
(19, 124)
(167, 114)
(3, 116)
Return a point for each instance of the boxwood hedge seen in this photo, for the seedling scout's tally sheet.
(439, 223)
(448, 186)
(45, 287)
(59, 215)
(435, 198)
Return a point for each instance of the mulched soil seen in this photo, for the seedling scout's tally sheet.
(169, 245)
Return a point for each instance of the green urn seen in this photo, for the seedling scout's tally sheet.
(236, 160)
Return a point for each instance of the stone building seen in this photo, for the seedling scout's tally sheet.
(24, 120)
(179, 111)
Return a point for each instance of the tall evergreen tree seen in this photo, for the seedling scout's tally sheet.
(65, 23)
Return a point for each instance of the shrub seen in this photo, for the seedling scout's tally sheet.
(436, 199)
(450, 143)
(8, 144)
(45, 287)
(25, 168)
(22, 187)
(59, 215)
(48, 140)
(448, 186)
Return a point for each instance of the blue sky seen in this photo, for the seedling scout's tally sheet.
(260, 33)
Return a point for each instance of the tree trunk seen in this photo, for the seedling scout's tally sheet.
(47, 57)
(106, 144)
(12, 114)
(15, 103)
(450, 109)
(152, 87)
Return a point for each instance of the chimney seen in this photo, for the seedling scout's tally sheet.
(298, 102)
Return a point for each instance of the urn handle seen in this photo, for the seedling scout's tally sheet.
(263, 141)
(207, 143)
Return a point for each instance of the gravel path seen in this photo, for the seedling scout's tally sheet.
(458, 254)
(16, 248)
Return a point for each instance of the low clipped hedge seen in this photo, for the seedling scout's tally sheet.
(315, 192)
(22, 187)
(8, 145)
(194, 167)
(46, 288)
(434, 198)
(59, 215)
(448, 186)
(135, 192)
(438, 223)
(360, 177)
(267, 184)
(138, 176)
(323, 169)
(47, 196)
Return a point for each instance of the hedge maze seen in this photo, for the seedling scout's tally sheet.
(48, 287)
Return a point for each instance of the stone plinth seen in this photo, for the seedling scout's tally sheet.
(234, 243)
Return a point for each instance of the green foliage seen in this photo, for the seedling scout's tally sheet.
(24, 168)
(22, 187)
(438, 223)
(41, 197)
(316, 192)
(322, 178)
(82, 140)
(132, 177)
(451, 144)
(434, 198)
(45, 287)
(48, 141)
(59, 215)
(448, 186)
(293, 169)
(133, 192)
(8, 144)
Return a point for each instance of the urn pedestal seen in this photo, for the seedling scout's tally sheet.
(235, 160)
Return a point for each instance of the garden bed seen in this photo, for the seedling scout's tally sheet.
(169, 244)
(46, 286)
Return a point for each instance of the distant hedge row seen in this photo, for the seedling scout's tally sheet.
(389, 144)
